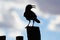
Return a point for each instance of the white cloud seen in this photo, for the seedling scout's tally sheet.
(13, 34)
(12, 19)
(54, 25)
(16, 1)
(8, 5)
(2, 32)
(18, 23)
(14, 23)
(1, 18)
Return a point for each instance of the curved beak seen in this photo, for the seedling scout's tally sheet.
(33, 6)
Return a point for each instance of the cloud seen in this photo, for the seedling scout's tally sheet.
(41, 13)
(13, 34)
(17, 1)
(18, 23)
(10, 15)
(50, 6)
(10, 19)
(2, 32)
(54, 24)
(1, 18)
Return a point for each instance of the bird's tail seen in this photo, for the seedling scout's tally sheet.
(37, 20)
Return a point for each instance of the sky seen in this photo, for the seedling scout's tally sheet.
(13, 23)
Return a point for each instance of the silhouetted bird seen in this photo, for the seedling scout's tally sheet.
(30, 15)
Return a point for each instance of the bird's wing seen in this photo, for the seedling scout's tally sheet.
(33, 14)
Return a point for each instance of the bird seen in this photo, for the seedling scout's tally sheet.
(30, 15)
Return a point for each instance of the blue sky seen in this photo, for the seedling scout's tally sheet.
(13, 23)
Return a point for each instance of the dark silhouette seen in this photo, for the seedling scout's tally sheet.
(19, 38)
(30, 15)
(33, 33)
(2, 37)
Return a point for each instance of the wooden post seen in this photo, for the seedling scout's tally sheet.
(2, 37)
(19, 38)
(33, 33)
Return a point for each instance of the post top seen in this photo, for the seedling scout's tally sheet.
(31, 27)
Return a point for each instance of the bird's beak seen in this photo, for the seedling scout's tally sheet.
(33, 6)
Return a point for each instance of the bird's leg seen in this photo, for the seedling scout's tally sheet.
(33, 23)
(29, 23)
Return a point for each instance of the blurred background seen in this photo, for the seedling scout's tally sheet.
(13, 23)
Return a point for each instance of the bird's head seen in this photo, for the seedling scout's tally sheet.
(30, 6)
